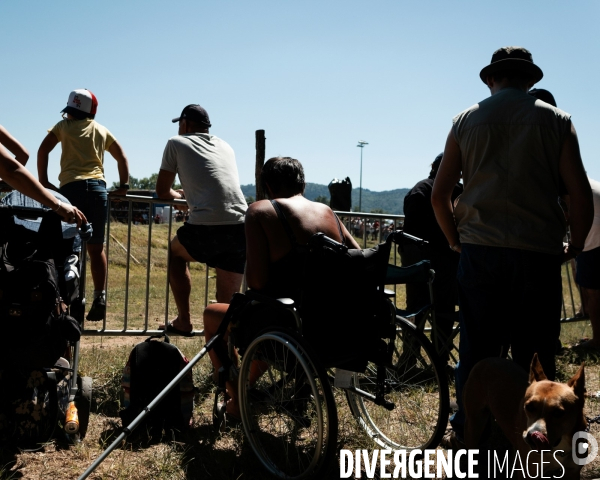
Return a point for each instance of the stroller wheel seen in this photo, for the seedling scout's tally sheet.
(83, 402)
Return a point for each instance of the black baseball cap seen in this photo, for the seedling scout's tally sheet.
(195, 113)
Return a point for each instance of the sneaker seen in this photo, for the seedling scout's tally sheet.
(98, 309)
(451, 441)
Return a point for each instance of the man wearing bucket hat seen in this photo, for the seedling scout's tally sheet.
(83, 142)
(214, 233)
(512, 151)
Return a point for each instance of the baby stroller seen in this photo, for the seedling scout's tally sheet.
(42, 302)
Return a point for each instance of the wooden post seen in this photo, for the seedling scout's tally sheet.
(260, 161)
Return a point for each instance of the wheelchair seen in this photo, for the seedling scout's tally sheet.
(393, 379)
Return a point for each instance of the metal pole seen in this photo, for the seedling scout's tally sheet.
(148, 266)
(129, 428)
(361, 145)
(260, 161)
(360, 186)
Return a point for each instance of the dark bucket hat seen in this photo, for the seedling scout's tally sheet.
(512, 58)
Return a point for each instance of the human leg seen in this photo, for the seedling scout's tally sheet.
(91, 198)
(98, 265)
(213, 316)
(181, 283)
(445, 296)
(582, 312)
(588, 277)
(536, 296)
(228, 283)
(592, 297)
(482, 295)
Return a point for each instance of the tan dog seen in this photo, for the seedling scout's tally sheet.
(534, 414)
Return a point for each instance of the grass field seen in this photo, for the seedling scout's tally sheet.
(200, 453)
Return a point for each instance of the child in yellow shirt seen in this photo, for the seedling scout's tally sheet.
(83, 142)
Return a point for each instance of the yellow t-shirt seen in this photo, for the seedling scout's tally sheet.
(83, 144)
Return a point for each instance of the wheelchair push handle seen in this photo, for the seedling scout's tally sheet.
(401, 238)
(30, 213)
(320, 239)
(398, 236)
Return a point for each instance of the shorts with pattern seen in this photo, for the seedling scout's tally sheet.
(219, 246)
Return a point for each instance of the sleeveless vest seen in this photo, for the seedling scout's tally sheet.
(510, 145)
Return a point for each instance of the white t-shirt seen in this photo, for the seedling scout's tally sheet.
(209, 177)
(593, 239)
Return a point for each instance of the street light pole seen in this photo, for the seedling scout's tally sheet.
(361, 145)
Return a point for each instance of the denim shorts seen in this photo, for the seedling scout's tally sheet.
(588, 269)
(219, 246)
(91, 198)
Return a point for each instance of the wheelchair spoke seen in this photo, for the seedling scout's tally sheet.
(416, 385)
(287, 412)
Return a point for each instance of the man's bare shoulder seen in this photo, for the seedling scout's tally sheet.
(260, 208)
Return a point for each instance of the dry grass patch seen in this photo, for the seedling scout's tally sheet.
(201, 453)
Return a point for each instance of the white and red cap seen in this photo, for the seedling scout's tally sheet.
(81, 103)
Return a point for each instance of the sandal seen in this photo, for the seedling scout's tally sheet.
(173, 330)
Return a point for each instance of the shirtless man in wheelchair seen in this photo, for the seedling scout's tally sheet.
(272, 245)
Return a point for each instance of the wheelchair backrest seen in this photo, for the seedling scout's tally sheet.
(340, 299)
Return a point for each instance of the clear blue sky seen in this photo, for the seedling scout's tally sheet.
(317, 75)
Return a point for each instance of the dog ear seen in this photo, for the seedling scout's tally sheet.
(577, 382)
(536, 372)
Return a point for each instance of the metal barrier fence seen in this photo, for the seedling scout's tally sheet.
(571, 296)
(112, 243)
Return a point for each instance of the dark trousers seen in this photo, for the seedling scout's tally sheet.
(506, 296)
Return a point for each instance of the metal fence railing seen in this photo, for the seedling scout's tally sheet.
(145, 267)
(136, 279)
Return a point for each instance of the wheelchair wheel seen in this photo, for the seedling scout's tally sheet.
(83, 402)
(288, 413)
(417, 385)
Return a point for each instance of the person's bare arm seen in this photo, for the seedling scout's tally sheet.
(257, 246)
(13, 146)
(43, 157)
(443, 186)
(581, 204)
(122, 164)
(164, 182)
(18, 177)
(349, 239)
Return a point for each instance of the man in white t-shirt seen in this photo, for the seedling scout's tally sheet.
(588, 270)
(214, 233)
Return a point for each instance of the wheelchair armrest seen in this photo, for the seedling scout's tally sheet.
(276, 302)
(413, 314)
(417, 273)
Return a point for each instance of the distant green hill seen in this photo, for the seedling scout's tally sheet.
(390, 201)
